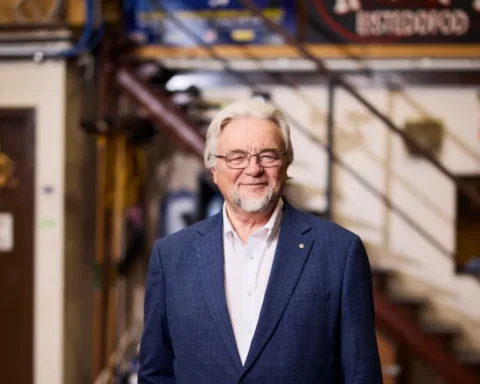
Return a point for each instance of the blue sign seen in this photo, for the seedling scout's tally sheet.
(187, 23)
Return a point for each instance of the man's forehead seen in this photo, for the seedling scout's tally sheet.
(254, 126)
(247, 142)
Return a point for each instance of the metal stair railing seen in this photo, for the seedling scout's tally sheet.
(472, 194)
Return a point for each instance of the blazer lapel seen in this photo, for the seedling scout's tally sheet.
(209, 248)
(293, 247)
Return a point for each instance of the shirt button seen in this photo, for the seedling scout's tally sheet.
(249, 293)
(250, 257)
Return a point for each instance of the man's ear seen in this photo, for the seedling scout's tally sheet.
(214, 175)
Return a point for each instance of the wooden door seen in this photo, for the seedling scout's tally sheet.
(17, 169)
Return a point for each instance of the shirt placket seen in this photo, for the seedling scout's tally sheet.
(249, 284)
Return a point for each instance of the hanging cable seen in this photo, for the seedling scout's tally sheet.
(81, 44)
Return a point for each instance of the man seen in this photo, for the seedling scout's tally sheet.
(260, 293)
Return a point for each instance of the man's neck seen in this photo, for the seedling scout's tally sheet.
(245, 223)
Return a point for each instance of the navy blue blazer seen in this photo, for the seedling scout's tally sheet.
(316, 324)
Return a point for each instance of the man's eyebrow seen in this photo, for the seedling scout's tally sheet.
(270, 150)
(261, 151)
(237, 151)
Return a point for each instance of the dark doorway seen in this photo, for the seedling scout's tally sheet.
(17, 170)
(468, 230)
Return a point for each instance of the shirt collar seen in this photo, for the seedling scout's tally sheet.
(272, 224)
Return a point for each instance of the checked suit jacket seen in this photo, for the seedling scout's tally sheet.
(316, 324)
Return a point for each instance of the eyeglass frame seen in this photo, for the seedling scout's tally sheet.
(250, 155)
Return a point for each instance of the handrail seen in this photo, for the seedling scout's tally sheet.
(389, 84)
(365, 183)
(472, 194)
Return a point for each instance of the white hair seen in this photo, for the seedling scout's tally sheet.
(237, 110)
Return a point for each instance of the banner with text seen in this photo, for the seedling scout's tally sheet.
(183, 23)
(393, 21)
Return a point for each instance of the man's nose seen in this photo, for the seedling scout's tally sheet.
(254, 168)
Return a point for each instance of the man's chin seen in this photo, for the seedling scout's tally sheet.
(254, 196)
(254, 202)
(254, 205)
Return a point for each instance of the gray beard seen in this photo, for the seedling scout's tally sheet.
(253, 205)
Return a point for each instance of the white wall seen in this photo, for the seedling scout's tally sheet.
(459, 110)
(42, 86)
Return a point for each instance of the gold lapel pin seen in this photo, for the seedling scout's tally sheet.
(301, 245)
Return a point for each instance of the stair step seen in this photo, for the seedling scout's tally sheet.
(410, 306)
(381, 276)
(445, 333)
(470, 360)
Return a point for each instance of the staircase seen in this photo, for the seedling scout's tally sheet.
(400, 316)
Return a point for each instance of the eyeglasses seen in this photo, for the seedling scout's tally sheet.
(240, 159)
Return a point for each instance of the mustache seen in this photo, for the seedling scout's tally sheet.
(256, 183)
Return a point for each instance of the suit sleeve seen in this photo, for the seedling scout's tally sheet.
(156, 352)
(359, 351)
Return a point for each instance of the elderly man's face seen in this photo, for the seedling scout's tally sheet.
(254, 188)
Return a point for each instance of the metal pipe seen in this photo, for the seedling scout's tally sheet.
(463, 186)
(102, 261)
(330, 148)
(162, 110)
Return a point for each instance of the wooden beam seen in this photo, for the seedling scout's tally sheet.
(319, 50)
(30, 10)
(75, 12)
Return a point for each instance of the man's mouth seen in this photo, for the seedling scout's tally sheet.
(255, 186)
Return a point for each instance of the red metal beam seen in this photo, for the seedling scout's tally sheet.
(163, 112)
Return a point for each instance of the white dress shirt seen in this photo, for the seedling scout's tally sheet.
(247, 270)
